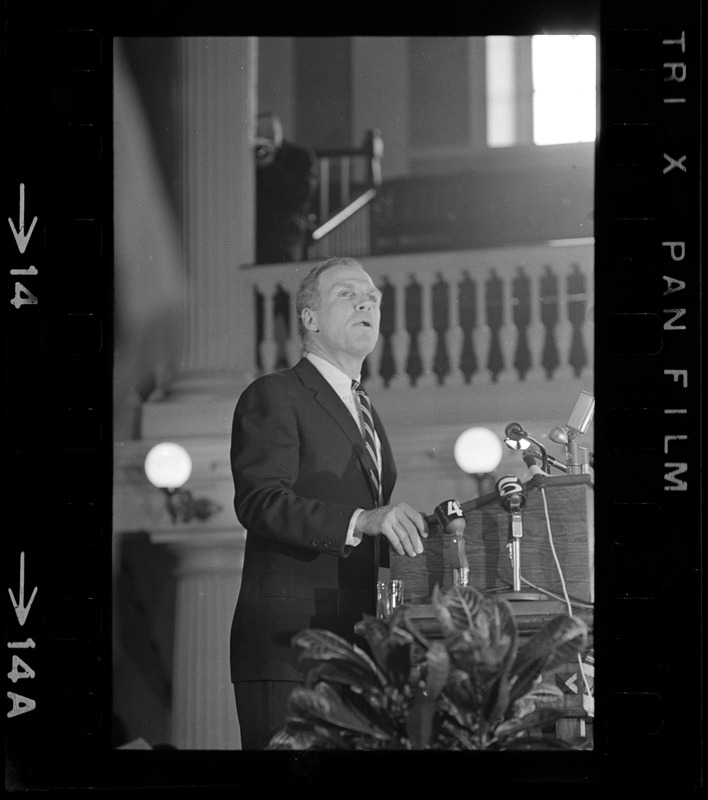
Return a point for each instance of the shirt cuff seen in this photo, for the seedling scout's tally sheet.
(353, 539)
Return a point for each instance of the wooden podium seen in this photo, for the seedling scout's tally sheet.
(569, 501)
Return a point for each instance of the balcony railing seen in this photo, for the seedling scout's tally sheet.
(454, 318)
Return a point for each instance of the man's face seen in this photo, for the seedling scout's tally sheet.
(346, 322)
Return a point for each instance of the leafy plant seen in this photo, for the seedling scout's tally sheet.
(476, 687)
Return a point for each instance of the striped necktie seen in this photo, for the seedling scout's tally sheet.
(367, 418)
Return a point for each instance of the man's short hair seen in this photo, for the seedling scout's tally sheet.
(308, 293)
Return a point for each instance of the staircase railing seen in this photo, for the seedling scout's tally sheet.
(348, 180)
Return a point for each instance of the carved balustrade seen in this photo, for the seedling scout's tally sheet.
(484, 316)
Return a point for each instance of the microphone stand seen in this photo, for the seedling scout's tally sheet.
(577, 459)
(514, 502)
(559, 465)
(573, 459)
(451, 520)
(516, 532)
(458, 560)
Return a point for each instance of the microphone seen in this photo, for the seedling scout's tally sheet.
(516, 438)
(512, 498)
(451, 519)
(511, 494)
(559, 435)
(537, 474)
(515, 433)
(552, 462)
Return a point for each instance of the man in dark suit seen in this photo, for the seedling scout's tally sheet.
(286, 178)
(313, 474)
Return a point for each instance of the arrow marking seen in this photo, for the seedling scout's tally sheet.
(21, 239)
(22, 610)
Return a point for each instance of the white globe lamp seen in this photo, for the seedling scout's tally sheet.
(478, 452)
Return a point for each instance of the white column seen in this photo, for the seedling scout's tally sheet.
(218, 89)
(208, 577)
(454, 332)
(401, 339)
(535, 329)
(482, 335)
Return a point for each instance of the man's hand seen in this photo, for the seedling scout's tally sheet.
(402, 525)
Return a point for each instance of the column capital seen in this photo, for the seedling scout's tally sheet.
(204, 550)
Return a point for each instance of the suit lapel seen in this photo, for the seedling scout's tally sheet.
(388, 464)
(328, 399)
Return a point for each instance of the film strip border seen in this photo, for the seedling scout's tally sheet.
(59, 329)
(58, 344)
(648, 446)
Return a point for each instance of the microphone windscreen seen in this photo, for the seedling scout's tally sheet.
(509, 484)
(450, 517)
(514, 431)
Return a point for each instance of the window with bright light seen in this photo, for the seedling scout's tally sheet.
(551, 82)
(563, 89)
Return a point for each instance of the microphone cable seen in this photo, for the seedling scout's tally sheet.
(574, 601)
(590, 708)
(566, 598)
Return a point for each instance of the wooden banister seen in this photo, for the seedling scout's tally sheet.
(352, 196)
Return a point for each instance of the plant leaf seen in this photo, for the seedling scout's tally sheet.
(437, 669)
(398, 664)
(540, 718)
(324, 706)
(499, 698)
(283, 741)
(419, 720)
(375, 631)
(341, 673)
(546, 695)
(497, 701)
(560, 639)
(392, 648)
(476, 688)
(539, 743)
(458, 608)
(372, 706)
(473, 655)
(463, 695)
(321, 645)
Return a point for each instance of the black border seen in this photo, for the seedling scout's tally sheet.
(58, 407)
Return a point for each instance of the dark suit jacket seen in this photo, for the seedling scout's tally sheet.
(284, 191)
(297, 458)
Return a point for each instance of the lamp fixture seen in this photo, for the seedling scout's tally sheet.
(168, 466)
(478, 452)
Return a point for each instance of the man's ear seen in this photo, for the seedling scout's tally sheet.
(308, 320)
